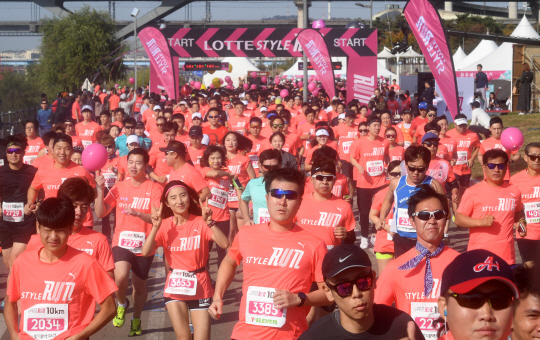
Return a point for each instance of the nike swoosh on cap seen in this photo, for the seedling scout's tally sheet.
(341, 260)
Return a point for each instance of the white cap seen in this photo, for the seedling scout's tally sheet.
(205, 140)
(123, 96)
(87, 107)
(132, 139)
(216, 93)
(108, 92)
(71, 94)
(183, 103)
(273, 97)
(264, 109)
(245, 102)
(460, 121)
(104, 90)
(341, 116)
(202, 94)
(321, 132)
(196, 114)
(157, 107)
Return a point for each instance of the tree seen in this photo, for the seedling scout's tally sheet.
(79, 46)
(17, 92)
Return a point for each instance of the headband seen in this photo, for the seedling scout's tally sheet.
(13, 143)
(175, 186)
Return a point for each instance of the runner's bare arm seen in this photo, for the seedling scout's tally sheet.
(102, 208)
(105, 315)
(437, 186)
(149, 244)
(244, 208)
(357, 165)
(217, 235)
(225, 276)
(465, 221)
(250, 172)
(11, 316)
(219, 173)
(286, 299)
(387, 204)
(204, 194)
(32, 194)
(515, 157)
(470, 161)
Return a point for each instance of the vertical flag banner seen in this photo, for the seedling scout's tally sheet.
(160, 58)
(313, 44)
(426, 24)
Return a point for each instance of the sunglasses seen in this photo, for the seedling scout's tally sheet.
(345, 289)
(533, 158)
(131, 127)
(321, 178)
(196, 118)
(390, 136)
(277, 126)
(413, 169)
(497, 301)
(394, 174)
(16, 151)
(255, 126)
(109, 146)
(491, 166)
(431, 115)
(430, 144)
(159, 124)
(288, 194)
(427, 215)
(212, 117)
(270, 167)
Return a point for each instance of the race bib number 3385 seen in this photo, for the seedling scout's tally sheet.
(260, 310)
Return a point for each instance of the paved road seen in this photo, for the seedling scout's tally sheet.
(156, 322)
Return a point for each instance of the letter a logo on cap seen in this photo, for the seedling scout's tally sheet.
(488, 263)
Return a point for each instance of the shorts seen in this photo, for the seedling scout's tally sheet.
(346, 168)
(8, 236)
(328, 309)
(199, 304)
(140, 265)
(464, 180)
(384, 256)
(529, 249)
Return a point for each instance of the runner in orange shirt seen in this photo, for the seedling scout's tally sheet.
(184, 232)
(35, 144)
(196, 149)
(386, 122)
(395, 151)
(342, 187)
(118, 118)
(215, 130)
(306, 130)
(293, 144)
(69, 124)
(181, 135)
(259, 141)
(114, 100)
(422, 108)
(280, 262)
(412, 281)
(132, 142)
(238, 122)
(405, 127)
(133, 199)
(87, 130)
(420, 130)
(45, 155)
(158, 161)
(76, 109)
(322, 138)
(528, 182)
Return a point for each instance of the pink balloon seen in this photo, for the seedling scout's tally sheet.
(116, 85)
(246, 86)
(197, 85)
(228, 79)
(316, 92)
(284, 93)
(253, 74)
(94, 157)
(318, 24)
(221, 80)
(253, 86)
(489, 76)
(312, 86)
(211, 86)
(263, 79)
(342, 89)
(192, 83)
(132, 80)
(512, 139)
(300, 84)
(230, 87)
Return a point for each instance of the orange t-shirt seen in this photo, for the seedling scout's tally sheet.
(464, 149)
(502, 203)
(308, 154)
(492, 143)
(346, 135)
(238, 124)
(195, 155)
(63, 296)
(406, 132)
(450, 144)
(304, 130)
(76, 111)
(289, 260)
(32, 150)
(442, 153)
(256, 149)
(530, 196)
(122, 166)
(238, 166)
(50, 178)
(111, 175)
(131, 230)
(186, 247)
(184, 138)
(218, 201)
(441, 170)
(76, 141)
(42, 161)
(393, 106)
(159, 163)
(155, 136)
(397, 153)
(321, 217)
(189, 175)
(370, 155)
(215, 135)
(415, 123)
(113, 102)
(87, 132)
(382, 243)
(340, 188)
(399, 134)
(292, 144)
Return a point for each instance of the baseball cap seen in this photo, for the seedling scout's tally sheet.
(429, 135)
(341, 116)
(350, 113)
(205, 140)
(322, 132)
(471, 269)
(123, 96)
(157, 107)
(422, 105)
(343, 257)
(168, 103)
(87, 108)
(196, 114)
(195, 131)
(104, 91)
(132, 139)
(263, 109)
(174, 146)
(139, 125)
(108, 92)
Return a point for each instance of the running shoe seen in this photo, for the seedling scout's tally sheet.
(135, 327)
(120, 316)
(364, 243)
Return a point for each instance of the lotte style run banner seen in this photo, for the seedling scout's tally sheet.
(158, 52)
(426, 24)
(313, 43)
(359, 45)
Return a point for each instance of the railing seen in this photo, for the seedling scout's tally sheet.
(11, 121)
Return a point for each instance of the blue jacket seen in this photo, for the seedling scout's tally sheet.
(43, 117)
(121, 145)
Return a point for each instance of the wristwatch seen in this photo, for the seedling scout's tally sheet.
(303, 298)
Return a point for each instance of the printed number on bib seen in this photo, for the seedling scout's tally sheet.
(263, 215)
(46, 321)
(403, 222)
(461, 157)
(347, 147)
(29, 159)
(375, 168)
(260, 310)
(132, 241)
(254, 161)
(425, 314)
(13, 212)
(233, 197)
(110, 179)
(532, 212)
(182, 282)
(219, 198)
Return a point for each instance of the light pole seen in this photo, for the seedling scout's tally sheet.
(370, 6)
(305, 20)
(134, 14)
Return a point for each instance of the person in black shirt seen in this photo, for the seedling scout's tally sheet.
(16, 228)
(350, 282)
(429, 93)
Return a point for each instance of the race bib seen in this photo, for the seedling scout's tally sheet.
(29, 159)
(1, 162)
(260, 310)
(263, 215)
(219, 198)
(347, 147)
(403, 221)
(233, 197)
(406, 144)
(461, 157)
(532, 212)
(86, 143)
(375, 168)
(182, 282)
(254, 161)
(13, 212)
(46, 321)
(424, 314)
(132, 241)
(110, 179)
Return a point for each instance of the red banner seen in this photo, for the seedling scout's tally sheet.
(313, 44)
(427, 27)
(160, 57)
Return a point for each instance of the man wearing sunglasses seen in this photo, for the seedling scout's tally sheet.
(492, 208)
(412, 280)
(417, 121)
(255, 126)
(350, 282)
(477, 296)
(121, 141)
(420, 131)
(215, 130)
(280, 262)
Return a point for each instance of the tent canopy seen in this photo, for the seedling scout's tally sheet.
(410, 53)
(484, 48)
(459, 56)
(385, 54)
(241, 67)
(525, 30)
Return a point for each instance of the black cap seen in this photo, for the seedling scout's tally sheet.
(195, 131)
(471, 269)
(350, 113)
(174, 146)
(343, 257)
(139, 125)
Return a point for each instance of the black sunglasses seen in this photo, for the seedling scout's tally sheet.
(212, 117)
(430, 144)
(255, 126)
(413, 169)
(321, 178)
(288, 194)
(431, 115)
(390, 136)
(491, 166)
(426, 215)
(130, 127)
(395, 174)
(533, 158)
(270, 167)
(109, 147)
(363, 131)
(497, 301)
(345, 289)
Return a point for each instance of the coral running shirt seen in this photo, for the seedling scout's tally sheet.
(397, 153)
(321, 217)
(406, 288)
(131, 231)
(32, 150)
(111, 175)
(87, 132)
(215, 135)
(76, 111)
(289, 260)
(238, 124)
(407, 138)
(306, 129)
(42, 161)
(113, 102)
(416, 122)
(382, 243)
(346, 135)
(500, 202)
(218, 201)
(195, 155)
(238, 166)
(189, 175)
(61, 303)
(340, 189)
(159, 163)
(492, 143)
(464, 149)
(530, 196)
(370, 155)
(49, 178)
(257, 148)
(450, 144)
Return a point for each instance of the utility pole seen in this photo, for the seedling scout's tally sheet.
(114, 11)
(306, 16)
(208, 13)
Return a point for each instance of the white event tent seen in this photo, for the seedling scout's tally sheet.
(484, 48)
(459, 56)
(241, 67)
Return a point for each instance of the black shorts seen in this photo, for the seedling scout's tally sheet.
(140, 265)
(346, 168)
(464, 180)
(8, 236)
(529, 250)
(193, 304)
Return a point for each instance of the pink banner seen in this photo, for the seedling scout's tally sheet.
(160, 58)
(361, 70)
(427, 27)
(313, 44)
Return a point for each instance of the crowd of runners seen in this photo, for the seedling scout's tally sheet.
(270, 183)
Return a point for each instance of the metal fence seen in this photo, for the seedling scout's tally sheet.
(10, 122)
